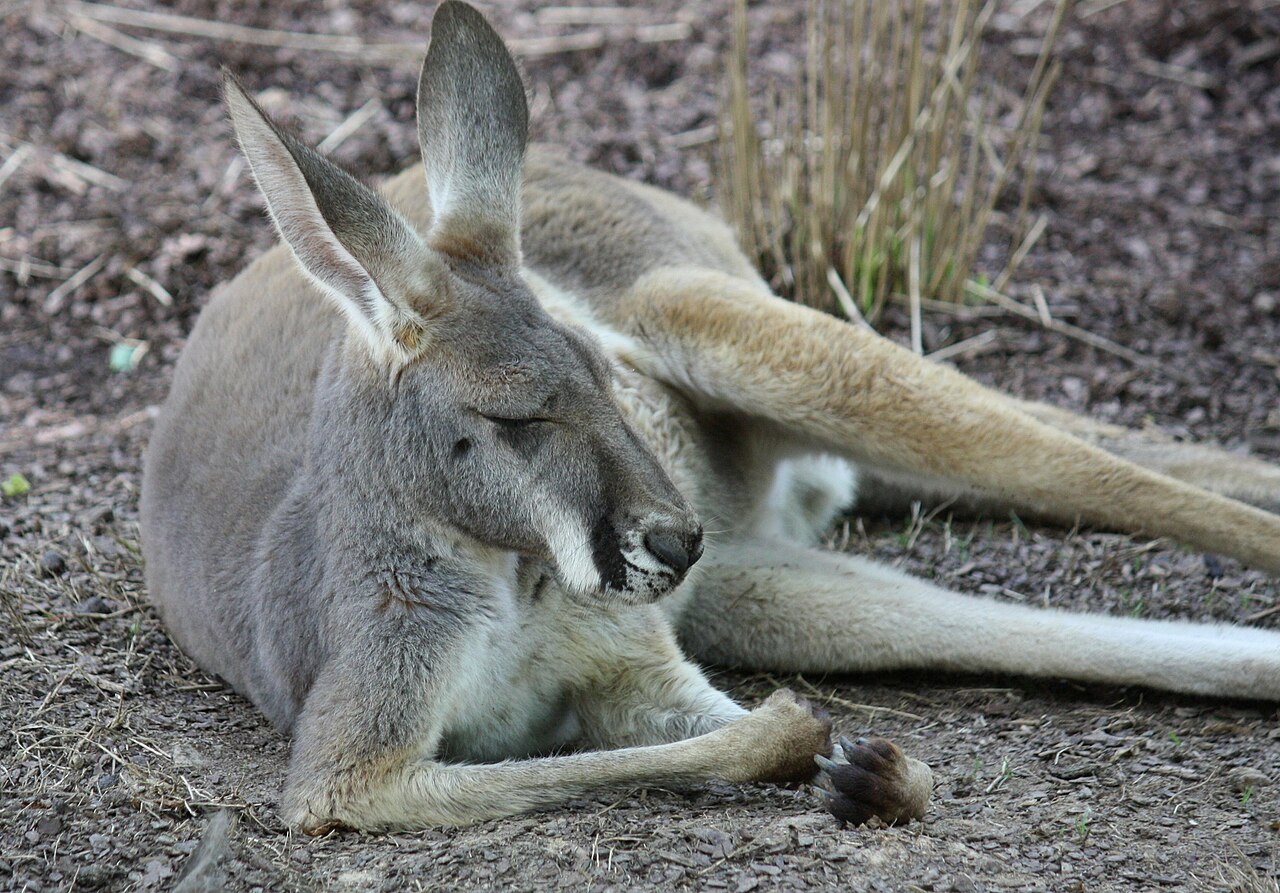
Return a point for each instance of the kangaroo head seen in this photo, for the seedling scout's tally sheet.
(469, 408)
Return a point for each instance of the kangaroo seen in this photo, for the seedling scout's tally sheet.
(427, 490)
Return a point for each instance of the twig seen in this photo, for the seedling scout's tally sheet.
(1020, 254)
(968, 345)
(1042, 305)
(1176, 73)
(1066, 328)
(190, 26)
(383, 53)
(847, 303)
(696, 137)
(1255, 53)
(1094, 7)
(86, 172)
(14, 161)
(147, 52)
(1265, 612)
(347, 128)
(158, 291)
(913, 295)
(53, 303)
(28, 267)
(850, 705)
(963, 311)
(79, 170)
(672, 32)
(78, 428)
(590, 15)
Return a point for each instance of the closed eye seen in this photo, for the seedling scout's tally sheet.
(513, 423)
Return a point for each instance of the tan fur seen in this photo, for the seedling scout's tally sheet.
(423, 664)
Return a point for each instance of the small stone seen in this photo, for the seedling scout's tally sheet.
(95, 877)
(1265, 302)
(1245, 778)
(1167, 301)
(1213, 567)
(48, 826)
(94, 604)
(52, 563)
(98, 518)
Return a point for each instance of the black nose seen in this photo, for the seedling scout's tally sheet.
(676, 552)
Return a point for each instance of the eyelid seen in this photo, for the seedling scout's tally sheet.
(513, 423)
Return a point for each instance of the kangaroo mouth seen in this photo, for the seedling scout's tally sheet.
(649, 590)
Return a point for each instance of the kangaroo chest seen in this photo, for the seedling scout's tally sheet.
(512, 696)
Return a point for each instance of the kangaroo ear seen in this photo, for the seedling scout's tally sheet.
(353, 244)
(473, 124)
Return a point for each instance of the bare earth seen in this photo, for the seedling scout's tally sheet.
(1161, 179)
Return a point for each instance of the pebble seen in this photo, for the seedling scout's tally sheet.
(1245, 777)
(1213, 567)
(48, 826)
(94, 604)
(98, 518)
(52, 563)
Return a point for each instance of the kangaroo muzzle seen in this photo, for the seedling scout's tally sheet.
(644, 560)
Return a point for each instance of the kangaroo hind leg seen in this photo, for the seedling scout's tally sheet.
(768, 605)
(1232, 474)
(1235, 475)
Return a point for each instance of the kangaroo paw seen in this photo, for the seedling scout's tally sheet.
(873, 777)
(783, 749)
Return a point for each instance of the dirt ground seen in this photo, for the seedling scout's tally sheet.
(122, 203)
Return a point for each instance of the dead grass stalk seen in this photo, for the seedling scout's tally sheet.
(877, 174)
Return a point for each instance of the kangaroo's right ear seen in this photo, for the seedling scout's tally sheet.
(473, 123)
(354, 245)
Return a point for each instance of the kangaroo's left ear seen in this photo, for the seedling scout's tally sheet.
(473, 124)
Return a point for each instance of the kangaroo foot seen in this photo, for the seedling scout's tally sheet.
(873, 777)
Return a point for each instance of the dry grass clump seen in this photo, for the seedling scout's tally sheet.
(877, 173)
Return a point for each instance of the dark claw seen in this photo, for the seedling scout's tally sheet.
(867, 783)
(846, 810)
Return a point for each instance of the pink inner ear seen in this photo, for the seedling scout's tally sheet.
(323, 256)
